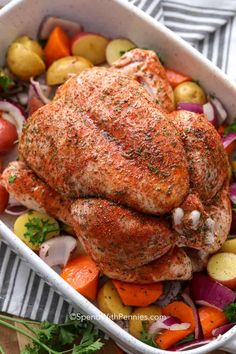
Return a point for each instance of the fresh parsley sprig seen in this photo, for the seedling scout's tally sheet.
(38, 229)
(6, 82)
(231, 128)
(146, 337)
(230, 312)
(56, 338)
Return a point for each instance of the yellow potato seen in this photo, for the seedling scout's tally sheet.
(189, 91)
(34, 228)
(116, 48)
(30, 44)
(147, 314)
(58, 72)
(229, 246)
(110, 303)
(23, 62)
(222, 268)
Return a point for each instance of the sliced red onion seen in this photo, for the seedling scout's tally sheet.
(206, 291)
(232, 191)
(16, 210)
(233, 224)
(171, 323)
(38, 91)
(219, 108)
(14, 207)
(191, 345)
(70, 27)
(57, 250)
(209, 112)
(171, 290)
(228, 139)
(223, 329)
(188, 106)
(15, 113)
(189, 301)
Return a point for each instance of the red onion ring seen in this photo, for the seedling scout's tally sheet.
(191, 345)
(188, 106)
(228, 139)
(189, 301)
(223, 329)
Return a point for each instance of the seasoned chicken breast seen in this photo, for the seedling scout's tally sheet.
(103, 136)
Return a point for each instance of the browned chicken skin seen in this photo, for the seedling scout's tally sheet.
(103, 136)
(145, 67)
(105, 155)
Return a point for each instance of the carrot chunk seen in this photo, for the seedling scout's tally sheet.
(211, 318)
(175, 78)
(138, 294)
(184, 313)
(82, 274)
(58, 46)
(169, 338)
(181, 311)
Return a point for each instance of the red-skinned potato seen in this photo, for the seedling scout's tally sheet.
(8, 136)
(4, 197)
(222, 268)
(90, 46)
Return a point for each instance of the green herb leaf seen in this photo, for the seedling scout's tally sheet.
(5, 82)
(2, 351)
(146, 337)
(231, 128)
(122, 52)
(230, 312)
(189, 338)
(11, 179)
(38, 229)
(52, 338)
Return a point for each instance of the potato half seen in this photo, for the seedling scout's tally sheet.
(60, 69)
(23, 62)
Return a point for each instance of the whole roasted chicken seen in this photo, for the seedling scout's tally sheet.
(144, 187)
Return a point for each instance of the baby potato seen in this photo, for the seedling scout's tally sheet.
(34, 228)
(189, 91)
(58, 72)
(30, 44)
(229, 246)
(147, 314)
(23, 62)
(110, 303)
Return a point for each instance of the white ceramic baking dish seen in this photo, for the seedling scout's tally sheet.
(113, 18)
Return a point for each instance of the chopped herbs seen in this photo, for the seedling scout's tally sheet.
(5, 82)
(57, 338)
(122, 52)
(146, 337)
(231, 128)
(38, 229)
(12, 178)
(230, 312)
(189, 338)
(153, 169)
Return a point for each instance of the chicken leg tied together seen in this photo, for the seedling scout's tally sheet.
(117, 238)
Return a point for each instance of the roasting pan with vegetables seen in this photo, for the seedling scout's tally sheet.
(122, 179)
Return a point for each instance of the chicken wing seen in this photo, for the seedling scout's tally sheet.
(145, 67)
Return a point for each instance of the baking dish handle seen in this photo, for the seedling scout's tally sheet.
(230, 345)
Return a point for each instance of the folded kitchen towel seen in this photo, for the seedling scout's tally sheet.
(210, 26)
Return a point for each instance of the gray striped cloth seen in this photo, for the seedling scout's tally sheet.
(209, 26)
